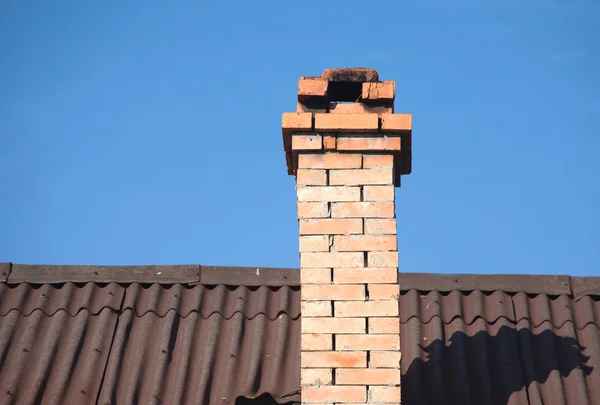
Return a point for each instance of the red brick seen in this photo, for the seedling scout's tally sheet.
(367, 376)
(317, 308)
(333, 359)
(331, 394)
(380, 226)
(381, 91)
(374, 143)
(385, 360)
(298, 121)
(378, 193)
(318, 193)
(365, 342)
(384, 292)
(309, 177)
(307, 142)
(316, 376)
(315, 276)
(364, 243)
(312, 87)
(317, 243)
(361, 177)
(334, 325)
(330, 226)
(349, 309)
(346, 122)
(396, 122)
(315, 292)
(316, 341)
(332, 259)
(329, 142)
(357, 108)
(329, 161)
(384, 325)
(382, 259)
(384, 395)
(313, 209)
(367, 209)
(365, 275)
(378, 161)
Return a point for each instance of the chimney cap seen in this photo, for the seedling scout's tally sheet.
(357, 75)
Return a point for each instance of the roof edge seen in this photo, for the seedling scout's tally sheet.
(268, 276)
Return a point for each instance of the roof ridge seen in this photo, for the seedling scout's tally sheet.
(275, 277)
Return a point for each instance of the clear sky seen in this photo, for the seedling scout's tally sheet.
(149, 132)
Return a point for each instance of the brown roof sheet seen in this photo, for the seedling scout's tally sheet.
(499, 348)
(465, 339)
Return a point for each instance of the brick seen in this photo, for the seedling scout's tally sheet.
(318, 193)
(380, 91)
(329, 161)
(335, 325)
(332, 259)
(298, 121)
(367, 376)
(384, 292)
(384, 360)
(357, 108)
(378, 161)
(314, 292)
(317, 308)
(333, 359)
(311, 87)
(361, 177)
(315, 276)
(317, 243)
(331, 394)
(309, 177)
(380, 226)
(313, 209)
(382, 259)
(349, 309)
(384, 395)
(316, 376)
(378, 193)
(330, 226)
(316, 341)
(365, 342)
(346, 122)
(384, 325)
(329, 142)
(396, 122)
(363, 243)
(374, 143)
(307, 142)
(365, 275)
(368, 209)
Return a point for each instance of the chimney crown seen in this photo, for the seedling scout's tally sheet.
(347, 109)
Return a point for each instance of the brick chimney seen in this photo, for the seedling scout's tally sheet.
(347, 150)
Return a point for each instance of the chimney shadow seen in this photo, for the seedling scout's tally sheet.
(486, 369)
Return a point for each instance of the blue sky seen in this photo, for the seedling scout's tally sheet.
(150, 132)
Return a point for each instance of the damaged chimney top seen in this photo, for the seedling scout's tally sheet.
(347, 102)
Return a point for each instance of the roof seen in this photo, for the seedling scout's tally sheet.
(216, 335)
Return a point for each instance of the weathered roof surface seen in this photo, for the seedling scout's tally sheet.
(151, 342)
(229, 334)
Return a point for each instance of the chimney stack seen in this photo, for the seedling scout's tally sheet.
(347, 150)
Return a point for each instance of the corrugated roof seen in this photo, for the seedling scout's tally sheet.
(234, 334)
(499, 348)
